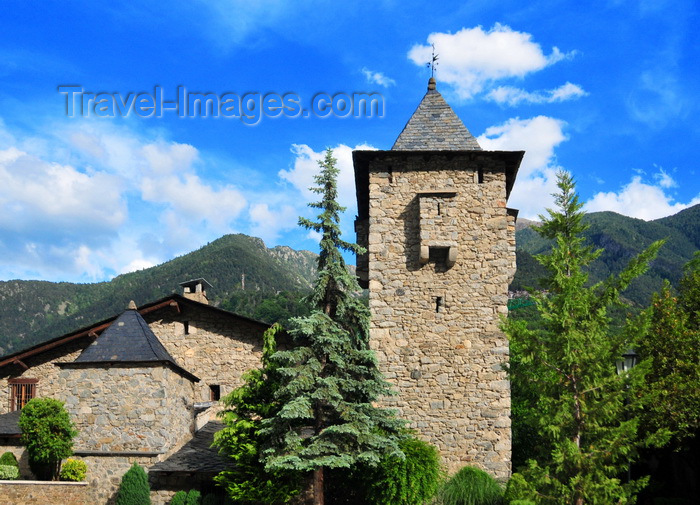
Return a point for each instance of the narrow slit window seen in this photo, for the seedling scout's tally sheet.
(439, 304)
(186, 327)
(438, 209)
(480, 175)
(214, 392)
(390, 173)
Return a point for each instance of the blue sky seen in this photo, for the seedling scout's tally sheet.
(605, 89)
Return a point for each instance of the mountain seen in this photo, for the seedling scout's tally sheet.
(34, 311)
(621, 238)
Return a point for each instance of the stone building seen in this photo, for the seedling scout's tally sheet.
(142, 387)
(440, 246)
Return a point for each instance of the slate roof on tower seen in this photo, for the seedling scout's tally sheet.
(434, 126)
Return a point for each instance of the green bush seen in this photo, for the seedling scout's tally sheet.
(179, 498)
(9, 472)
(193, 498)
(471, 486)
(394, 481)
(9, 459)
(47, 433)
(518, 491)
(134, 489)
(411, 481)
(74, 470)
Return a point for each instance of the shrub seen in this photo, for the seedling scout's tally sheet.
(413, 480)
(9, 472)
(47, 432)
(8, 459)
(74, 470)
(179, 498)
(471, 486)
(134, 489)
(193, 498)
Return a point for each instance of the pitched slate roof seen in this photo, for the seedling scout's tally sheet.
(434, 126)
(9, 424)
(197, 455)
(128, 339)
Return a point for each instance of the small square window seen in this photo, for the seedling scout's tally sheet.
(214, 392)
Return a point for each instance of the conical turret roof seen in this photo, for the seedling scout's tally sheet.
(434, 126)
(128, 339)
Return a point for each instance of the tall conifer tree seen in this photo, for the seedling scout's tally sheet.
(329, 379)
(585, 410)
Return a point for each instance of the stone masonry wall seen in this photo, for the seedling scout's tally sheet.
(41, 367)
(435, 327)
(218, 348)
(16, 492)
(127, 408)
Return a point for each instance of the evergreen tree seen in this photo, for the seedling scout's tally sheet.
(329, 379)
(134, 488)
(569, 359)
(672, 347)
(246, 480)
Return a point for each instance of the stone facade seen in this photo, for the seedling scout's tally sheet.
(142, 412)
(440, 255)
(127, 408)
(214, 347)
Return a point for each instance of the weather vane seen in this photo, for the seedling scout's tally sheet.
(433, 62)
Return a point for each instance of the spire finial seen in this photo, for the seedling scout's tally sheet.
(131, 306)
(433, 63)
(431, 84)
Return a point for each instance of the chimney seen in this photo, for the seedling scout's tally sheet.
(196, 290)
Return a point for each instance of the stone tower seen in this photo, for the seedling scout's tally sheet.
(440, 254)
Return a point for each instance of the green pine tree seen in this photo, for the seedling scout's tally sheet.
(672, 347)
(329, 379)
(568, 360)
(134, 488)
(246, 479)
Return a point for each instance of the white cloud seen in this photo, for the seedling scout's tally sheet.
(640, 199)
(39, 197)
(513, 96)
(472, 59)
(536, 179)
(378, 78)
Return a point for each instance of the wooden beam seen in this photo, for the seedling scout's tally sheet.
(166, 303)
(20, 363)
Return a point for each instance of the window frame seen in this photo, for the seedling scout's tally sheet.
(18, 386)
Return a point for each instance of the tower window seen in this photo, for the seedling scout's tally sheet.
(214, 392)
(439, 304)
(186, 327)
(480, 175)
